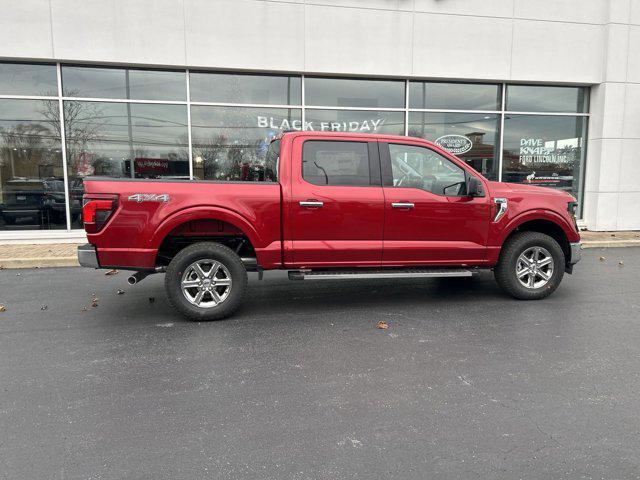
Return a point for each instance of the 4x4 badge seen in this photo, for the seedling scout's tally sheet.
(149, 197)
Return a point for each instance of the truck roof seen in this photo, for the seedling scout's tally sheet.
(378, 136)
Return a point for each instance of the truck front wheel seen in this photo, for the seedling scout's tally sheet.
(531, 266)
(206, 281)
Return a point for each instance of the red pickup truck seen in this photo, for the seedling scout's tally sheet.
(330, 206)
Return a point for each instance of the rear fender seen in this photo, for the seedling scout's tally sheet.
(205, 213)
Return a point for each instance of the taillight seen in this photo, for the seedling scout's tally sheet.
(96, 210)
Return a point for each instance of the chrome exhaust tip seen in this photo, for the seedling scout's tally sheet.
(136, 277)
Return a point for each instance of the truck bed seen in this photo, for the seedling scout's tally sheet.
(148, 211)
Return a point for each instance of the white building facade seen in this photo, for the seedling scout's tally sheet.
(545, 92)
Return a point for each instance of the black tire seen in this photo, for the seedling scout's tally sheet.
(505, 271)
(201, 251)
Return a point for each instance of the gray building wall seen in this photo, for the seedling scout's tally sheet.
(587, 42)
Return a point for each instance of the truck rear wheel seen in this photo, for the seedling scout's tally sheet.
(531, 266)
(206, 281)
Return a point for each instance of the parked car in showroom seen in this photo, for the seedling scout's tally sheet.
(331, 206)
(38, 201)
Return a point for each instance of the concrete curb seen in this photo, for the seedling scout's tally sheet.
(611, 244)
(39, 262)
(72, 261)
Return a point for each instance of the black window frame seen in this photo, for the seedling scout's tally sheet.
(375, 172)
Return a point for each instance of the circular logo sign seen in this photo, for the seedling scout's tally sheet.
(456, 144)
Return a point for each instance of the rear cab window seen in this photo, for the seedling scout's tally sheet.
(339, 163)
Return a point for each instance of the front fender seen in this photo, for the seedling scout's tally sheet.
(535, 214)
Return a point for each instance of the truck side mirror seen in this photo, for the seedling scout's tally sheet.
(474, 187)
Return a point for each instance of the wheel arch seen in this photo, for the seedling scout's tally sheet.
(205, 224)
(543, 221)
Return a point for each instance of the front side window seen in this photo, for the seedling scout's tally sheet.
(420, 167)
(336, 163)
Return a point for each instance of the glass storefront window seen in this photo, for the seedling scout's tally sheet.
(31, 174)
(454, 96)
(231, 143)
(103, 138)
(344, 92)
(238, 88)
(132, 122)
(357, 121)
(536, 98)
(28, 79)
(544, 150)
(123, 83)
(474, 137)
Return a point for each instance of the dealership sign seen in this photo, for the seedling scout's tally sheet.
(365, 126)
(456, 144)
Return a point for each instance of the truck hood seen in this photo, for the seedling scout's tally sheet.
(510, 189)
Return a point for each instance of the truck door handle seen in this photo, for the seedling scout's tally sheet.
(311, 204)
(402, 205)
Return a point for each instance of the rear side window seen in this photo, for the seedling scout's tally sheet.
(336, 163)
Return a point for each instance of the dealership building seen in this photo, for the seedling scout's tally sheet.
(543, 92)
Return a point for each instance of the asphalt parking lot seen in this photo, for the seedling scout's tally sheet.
(300, 384)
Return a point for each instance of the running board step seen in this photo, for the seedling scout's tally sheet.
(387, 273)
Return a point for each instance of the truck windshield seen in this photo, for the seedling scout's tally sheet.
(272, 161)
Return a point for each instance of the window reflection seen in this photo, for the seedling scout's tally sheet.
(454, 96)
(28, 79)
(544, 150)
(480, 134)
(239, 88)
(123, 83)
(345, 92)
(356, 121)
(107, 138)
(231, 143)
(31, 175)
(538, 98)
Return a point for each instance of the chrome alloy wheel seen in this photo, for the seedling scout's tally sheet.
(206, 283)
(534, 267)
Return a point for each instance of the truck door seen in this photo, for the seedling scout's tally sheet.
(336, 206)
(428, 218)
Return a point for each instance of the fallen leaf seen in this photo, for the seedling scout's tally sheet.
(602, 259)
(84, 309)
(112, 272)
(382, 325)
(152, 299)
(120, 291)
(3, 308)
(94, 302)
